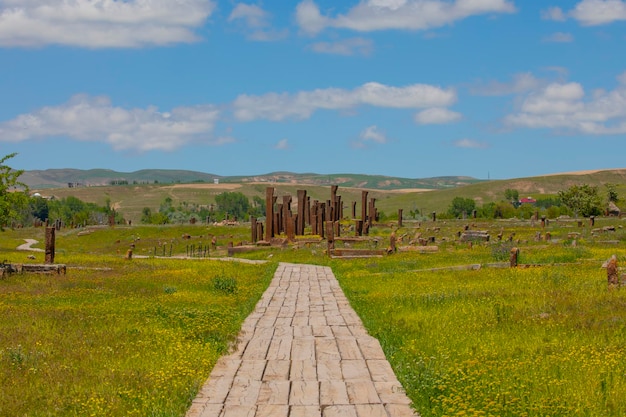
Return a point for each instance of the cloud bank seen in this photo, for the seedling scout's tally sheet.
(302, 105)
(590, 12)
(101, 23)
(86, 118)
(565, 106)
(372, 15)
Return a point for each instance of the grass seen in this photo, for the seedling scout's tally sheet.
(116, 338)
(497, 342)
(138, 339)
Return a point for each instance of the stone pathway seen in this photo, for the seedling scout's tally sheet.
(303, 352)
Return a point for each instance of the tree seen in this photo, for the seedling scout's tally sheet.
(512, 196)
(39, 208)
(583, 200)
(611, 193)
(233, 203)
(461, 205)
(13, 194)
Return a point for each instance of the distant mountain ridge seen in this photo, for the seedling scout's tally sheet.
(60, 178)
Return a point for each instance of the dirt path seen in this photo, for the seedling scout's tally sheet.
(28, 246)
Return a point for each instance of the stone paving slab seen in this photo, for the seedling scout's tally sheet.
(303, 352)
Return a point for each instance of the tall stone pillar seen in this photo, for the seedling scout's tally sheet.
(50, 240)
(302, 199)
(269, 213)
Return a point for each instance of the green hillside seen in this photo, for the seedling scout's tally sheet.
(131, 199)
(55, 178)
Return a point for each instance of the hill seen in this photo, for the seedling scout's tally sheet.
(131, 199)
(56, 178)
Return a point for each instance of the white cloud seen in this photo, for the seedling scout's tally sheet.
(348, 47)
(302, 105)
(559, 37)
(282, 144)
(563, 106)
(101, 24)
(253, 15)
(309, 17)
(370, 15)
(373, 134)
(599, 12)
(520, 83)
(553, 13)
(256, 22)
(470, 143)
(86, 118)
(437, 115)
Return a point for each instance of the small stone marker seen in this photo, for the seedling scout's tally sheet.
(612, 273)
(513, 257)
(392, 243)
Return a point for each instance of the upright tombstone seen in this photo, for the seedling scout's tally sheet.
(301, 209)
(269, 213)
(50, 239)
(259, 230)
(392, 243)
(338, 209)
(372, 213)
(254, 229)
(276, 223)
(514, 257)
(291, 228)
(313, 216)
(364, 206)
(592, 220)
(334, 210)
(399, 217)
(321, 217)
(286, 213)
(612, 273)
(354, 210)
(307, 211)
(330, 234)
(358, 229)
(434, 216)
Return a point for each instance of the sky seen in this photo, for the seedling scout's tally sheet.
(491, 89)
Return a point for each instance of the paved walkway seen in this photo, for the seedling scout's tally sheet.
(303, 352)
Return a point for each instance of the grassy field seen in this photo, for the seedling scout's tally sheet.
(116, 338)
(545, 341)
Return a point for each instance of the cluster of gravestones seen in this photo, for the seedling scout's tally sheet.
(320, 217)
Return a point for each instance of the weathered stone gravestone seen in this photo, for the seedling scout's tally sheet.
(612, 273)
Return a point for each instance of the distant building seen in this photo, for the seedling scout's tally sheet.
(527, 200)
(216, 181)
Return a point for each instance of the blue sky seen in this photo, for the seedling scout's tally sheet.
(410, 88)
